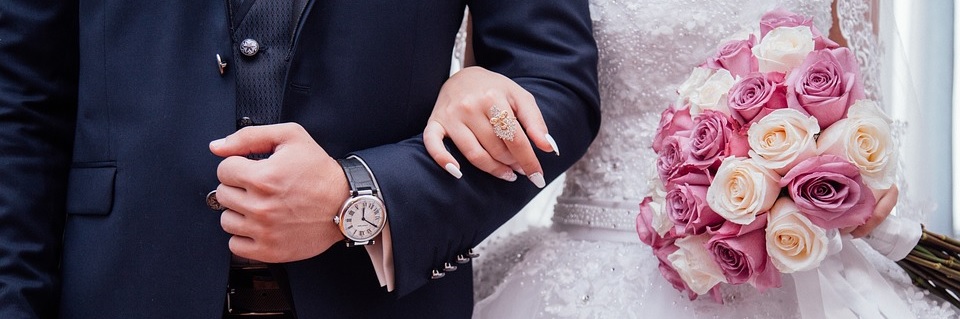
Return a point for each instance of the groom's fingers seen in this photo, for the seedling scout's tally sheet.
(235, 171)
(262, 139)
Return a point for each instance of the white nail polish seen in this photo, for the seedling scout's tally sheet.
(509, 176)
(553, 143)
(537, 179)
(453, 170)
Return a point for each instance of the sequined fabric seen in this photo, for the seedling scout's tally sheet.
(647, 47)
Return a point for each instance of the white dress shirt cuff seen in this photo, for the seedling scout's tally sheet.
(381, 255)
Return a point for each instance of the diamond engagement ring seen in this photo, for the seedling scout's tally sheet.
(504, 125)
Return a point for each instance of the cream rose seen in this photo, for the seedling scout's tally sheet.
(783, 48)
(742, 189)
(712, 94)
(864, 139)
(794, 243)
(660, 221)
(693, 82)
(782, 139)
(695, 265)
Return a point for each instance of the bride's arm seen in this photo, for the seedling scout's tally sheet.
(461, 113)
(492, 120)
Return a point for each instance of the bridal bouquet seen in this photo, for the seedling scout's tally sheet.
(769, 151)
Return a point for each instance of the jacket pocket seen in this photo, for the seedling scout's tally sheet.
(90, 190)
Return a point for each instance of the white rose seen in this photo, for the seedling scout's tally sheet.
(782, 139)
(793, 242)
(696, 79)
(742, 189)
(712, 94)
(660, 222)
(864, 139)
(694, 264)
(783, 48)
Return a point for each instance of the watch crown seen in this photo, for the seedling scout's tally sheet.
(336, 220)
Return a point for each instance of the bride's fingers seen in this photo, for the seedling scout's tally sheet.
(503, 125)
(528, 113)
(884, 206)
(433, 140)
(468, 144)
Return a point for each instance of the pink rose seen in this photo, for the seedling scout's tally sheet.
(674, 154)
(669, 273)
(755, 96)
(830, 192)
(741, 252)
(714, 137)
(672, 121)
(686, 203)
(646, 230)
(782, 18)
(825, 85)
(735, 56)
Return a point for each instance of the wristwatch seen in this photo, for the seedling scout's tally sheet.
(363, 215)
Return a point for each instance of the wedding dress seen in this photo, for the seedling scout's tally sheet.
(590, 262)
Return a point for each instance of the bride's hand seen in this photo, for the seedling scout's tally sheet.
(464, 113)
(885, 204)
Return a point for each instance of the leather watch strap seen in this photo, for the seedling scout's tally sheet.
(357, 176)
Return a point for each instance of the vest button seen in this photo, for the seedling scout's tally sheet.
(249, 47)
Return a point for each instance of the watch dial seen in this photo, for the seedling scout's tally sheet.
(363, 219)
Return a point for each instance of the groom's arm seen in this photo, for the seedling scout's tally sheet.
(547, 47)
(38, 65)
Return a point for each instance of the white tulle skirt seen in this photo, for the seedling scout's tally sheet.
(580, 272)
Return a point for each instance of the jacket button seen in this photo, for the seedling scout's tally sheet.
(448, 267)
(212, 201)
(249, 47)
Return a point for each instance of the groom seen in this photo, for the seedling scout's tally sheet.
(107, 201)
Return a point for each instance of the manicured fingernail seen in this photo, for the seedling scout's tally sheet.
(218, 143)
(508, 176)
(553, 143)
(537, 179)
(453, 170)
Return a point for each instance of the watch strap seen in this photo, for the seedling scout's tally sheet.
(358, 176)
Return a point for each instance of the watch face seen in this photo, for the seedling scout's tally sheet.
(362, 218)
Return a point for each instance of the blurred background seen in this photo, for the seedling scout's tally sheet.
(929, 35)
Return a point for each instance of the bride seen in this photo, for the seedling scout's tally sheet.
(590, 263)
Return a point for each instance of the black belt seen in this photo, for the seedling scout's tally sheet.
(254, 291)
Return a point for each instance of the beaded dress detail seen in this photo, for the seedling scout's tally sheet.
(591, 264)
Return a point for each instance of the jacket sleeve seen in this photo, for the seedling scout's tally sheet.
(547, 47)
(38, 88)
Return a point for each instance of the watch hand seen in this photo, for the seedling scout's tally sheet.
(368, 222)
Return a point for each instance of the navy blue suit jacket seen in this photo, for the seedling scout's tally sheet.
(104, 162)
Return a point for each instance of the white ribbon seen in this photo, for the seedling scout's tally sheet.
(895, 237)
(846, 285)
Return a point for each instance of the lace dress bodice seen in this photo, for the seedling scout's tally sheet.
(647, 48)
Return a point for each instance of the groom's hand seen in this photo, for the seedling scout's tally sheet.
(279, 209)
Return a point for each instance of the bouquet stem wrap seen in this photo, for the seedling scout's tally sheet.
(846, 285)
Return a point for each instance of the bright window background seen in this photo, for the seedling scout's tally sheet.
(927, 30)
